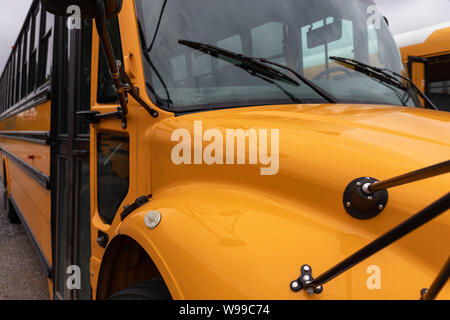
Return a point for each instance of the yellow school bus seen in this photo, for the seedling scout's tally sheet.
(170, 149)
(426, 55)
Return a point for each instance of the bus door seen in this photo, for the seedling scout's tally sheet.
(417, 72)
(438, 81)
(70, 161)
(432, 76)
(110, 151)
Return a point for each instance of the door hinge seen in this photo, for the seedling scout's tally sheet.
(128, 209)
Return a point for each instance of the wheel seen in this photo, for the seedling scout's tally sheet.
(9, 209)
(154, 289)
(12, 214)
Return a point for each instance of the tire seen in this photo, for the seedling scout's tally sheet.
(154, 289)
(13, 218)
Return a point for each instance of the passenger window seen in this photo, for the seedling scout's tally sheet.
(113, 166)
(343, 47)
(233, 43)
(267, 41)
(106, 92)
(46, 51)
(316, 59)
(374, 57)
(179, 70)
(201, 64)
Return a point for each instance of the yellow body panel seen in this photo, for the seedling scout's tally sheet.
(227, 232)
(34, 119)
(437, 44)
(32, 199)
(34, 203)
(23, 149)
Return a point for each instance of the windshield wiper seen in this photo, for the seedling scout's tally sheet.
(256, 65)
(385, 75)
(242, 61)
(160, 101)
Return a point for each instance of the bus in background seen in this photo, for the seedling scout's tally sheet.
(25, 122)
(426, 56)
(98, 118)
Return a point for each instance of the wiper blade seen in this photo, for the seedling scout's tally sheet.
(370, 71)
(385, 75)
(260, 63)
(247, 63)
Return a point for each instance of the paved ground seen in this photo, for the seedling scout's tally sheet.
(21, 272)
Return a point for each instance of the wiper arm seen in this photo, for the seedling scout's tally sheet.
(384, 75)
(241, 61)
(259, 63)
(324, 94)
(133, 91)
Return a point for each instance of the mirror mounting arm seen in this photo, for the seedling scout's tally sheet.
(133, 91)
(100, 22)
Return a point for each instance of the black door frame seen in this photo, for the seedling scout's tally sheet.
(66, 143)
(426, 62)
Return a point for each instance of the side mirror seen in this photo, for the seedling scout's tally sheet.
(100, 10)
(88, 7)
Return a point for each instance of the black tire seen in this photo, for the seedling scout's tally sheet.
(13, 218)
(154, 289)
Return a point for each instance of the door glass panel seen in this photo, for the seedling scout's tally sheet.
(438, 82)
(85, 79)
(84, 229)
(113, 173)
(65, 91)
(61, 227)
(439, 93)
(106, 93)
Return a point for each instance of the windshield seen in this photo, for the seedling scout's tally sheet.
(299, 34)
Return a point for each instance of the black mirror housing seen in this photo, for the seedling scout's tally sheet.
(88, 7)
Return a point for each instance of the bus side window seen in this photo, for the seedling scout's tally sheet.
(113, 163)
(106, 92)
(46, 48)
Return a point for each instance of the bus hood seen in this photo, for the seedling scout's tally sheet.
(321, 148)
(235, 227)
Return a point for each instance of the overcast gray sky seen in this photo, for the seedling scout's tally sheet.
(408, 15)
(12, 17)
(404, 15)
